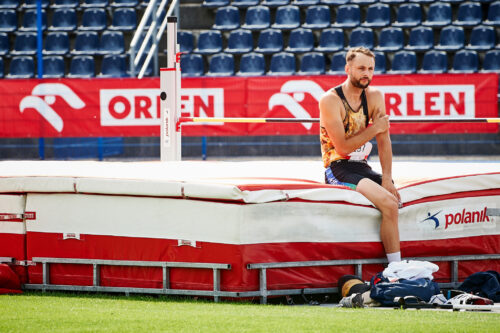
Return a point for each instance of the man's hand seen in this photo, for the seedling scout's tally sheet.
(381, 122)
(389, 186)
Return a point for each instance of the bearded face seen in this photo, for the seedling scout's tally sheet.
(362, 82)
(360, 71)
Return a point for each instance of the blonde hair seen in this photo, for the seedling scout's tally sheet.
(351, 54)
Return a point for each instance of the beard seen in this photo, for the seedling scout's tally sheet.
(358, 84)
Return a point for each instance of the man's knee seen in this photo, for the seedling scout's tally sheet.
(389, 206)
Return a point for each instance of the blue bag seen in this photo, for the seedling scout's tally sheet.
(484, 284)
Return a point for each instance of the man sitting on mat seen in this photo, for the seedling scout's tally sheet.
(345, 142)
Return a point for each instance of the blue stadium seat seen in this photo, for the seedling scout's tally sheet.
(25, 44)
(221, 64)
(312, 63)
(421, 39)
(2, 69)
(31, 4)
(482, 38)
(337, 66)
(380, 62)
(305, 3)
(227, 18)
(348, 16)
(390, 40)
(8, 20)
(364, 2)
(186, 41)
(65, 4)
(409, 15)
(257, 18)
(124, 3)
(317, 17)
(112, 42)
(114, 65)
(453, 1)
(94, 19)
(86, 43)
(215, 3)
(491, 61)
(192, 65)
(378, 16)
(394, 2)
(4, 44)
(439, 15)
(404, 62)
(94, 3)
(282, 64)
(252, 64)
(331, 40)
(465, 61)
(301, 40)
(209, 42)
(451, 39)
(239, 41)
(287, 18)
(9, 4)
(274, 3)
(334, 2)
(270, 41)
(124, 19)
(493, 17)
(82, 67)
(22, 67)
(149, 69)
(29, 20)
(53, 67)
(434, 62)
(244, 3)
(469, 14)
(361, 37)
(56, 43)
(63, 19)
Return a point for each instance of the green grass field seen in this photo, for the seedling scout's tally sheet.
(59, 312)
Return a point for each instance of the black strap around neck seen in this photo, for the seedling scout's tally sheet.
(364, 102)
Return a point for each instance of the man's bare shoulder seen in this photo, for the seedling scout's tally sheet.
(330, 96)
(373, 92)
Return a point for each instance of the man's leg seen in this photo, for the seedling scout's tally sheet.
(388, 206)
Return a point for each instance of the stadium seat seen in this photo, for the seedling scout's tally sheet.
(378, 16)
(337, 66)
(282, 64)
(312, 63)
(409, 15)
(94, 19)
(150, 67)
(114, 65)
(8, 20)
(364, 2)
(361, 37)
(124, 19)
(65, 4)
(270, 41)
(331, 40)
(334, 2)
(244, 3)
(317, 17)
(301, 40)
(434, 62)
(209, 42)
(274, 3)
(421, 39)
(348, 16)
(123, 3)
(25, 44)
(215, 3)
(31, 4)
(252, 64)
(404, 62)
(380, 62)
(287, 18)
(94, 3)
(4, 44)
(438, 15)
(423, 1)
(491, 61)
(112, 42)
(453, 1)
(63, 19)
(482, 38)
(465, 61)
(9, 4)
(257, 18)
(82, 67)
(304, 3)
(2, 68)
(493, 17)
(53, 67)
(192, 65)
(469, 14)
(22, 67)
(56, 43)
(86, 43)
(186, 41)
(29, 20)
(221, 64)
(227, 18)
(451, 39)
(239, 41)
(390, 40)
(393, 2)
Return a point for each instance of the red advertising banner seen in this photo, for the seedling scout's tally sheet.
(130, 107)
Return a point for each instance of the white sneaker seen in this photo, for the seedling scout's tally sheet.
(353, 301)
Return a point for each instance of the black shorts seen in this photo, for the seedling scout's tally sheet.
(350, 173)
